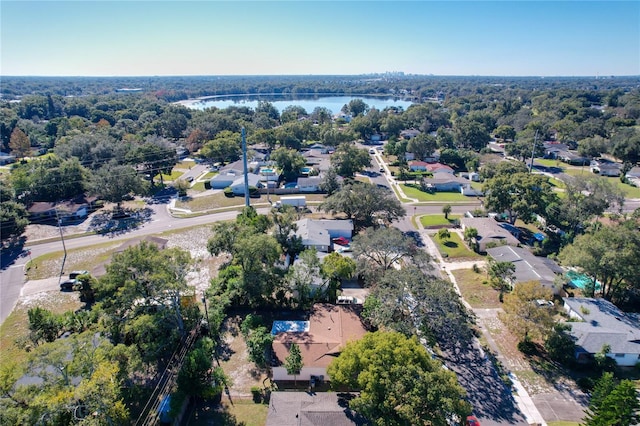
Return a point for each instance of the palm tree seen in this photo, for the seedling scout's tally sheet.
(446, 209)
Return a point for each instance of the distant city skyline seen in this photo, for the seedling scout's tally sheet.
(170, 38)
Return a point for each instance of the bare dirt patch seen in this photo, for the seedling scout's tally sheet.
(234, 360)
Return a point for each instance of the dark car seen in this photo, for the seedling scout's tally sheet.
(68, 285)
(75, 274)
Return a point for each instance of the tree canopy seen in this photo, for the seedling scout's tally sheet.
(349, 159)
(364, 203)
(411, 389)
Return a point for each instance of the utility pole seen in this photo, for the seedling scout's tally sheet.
(246, 171)
(533, 151)
(64, 247)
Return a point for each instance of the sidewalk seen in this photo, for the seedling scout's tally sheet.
(520, 395)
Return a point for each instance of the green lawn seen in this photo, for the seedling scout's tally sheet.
(438, 219)
(629, 190)
(551, 163)
(412, 192)
(454, 248)
(475, 288)
(241, 412)
(173, 176)
(185, 164)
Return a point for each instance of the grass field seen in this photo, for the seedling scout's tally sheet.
(15, 329)
(475, 289)
(438, 220)
(241, 412)
(455, 248)
(629, 190)
(412, 192)
(551, 163)
(175, 174)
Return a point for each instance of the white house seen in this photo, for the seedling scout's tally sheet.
(605, 168)
(225, 178)
(320, 339)
(600, 322)
(446, 182)
(237, 187)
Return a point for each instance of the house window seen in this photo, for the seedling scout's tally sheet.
(619, 355)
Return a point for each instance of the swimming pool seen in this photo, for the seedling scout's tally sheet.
(580, 280)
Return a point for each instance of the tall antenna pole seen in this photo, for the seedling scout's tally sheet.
(64, 247)
(246, 172)
(533, 151)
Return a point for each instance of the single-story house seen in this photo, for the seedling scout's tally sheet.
(312, 409)
(409, 133)
(69, 210)
(472, 176)
(320, 148)
(318, 233)
(490, 233)
(439, 168)
(605, 168)
(225, 178)
(445, 182)
(321, 339)
(6, 158)
(633, 173)
(601, 323)
(418, 166)
(309, 184)
(237, 187)
(269, 174)
(527, 266)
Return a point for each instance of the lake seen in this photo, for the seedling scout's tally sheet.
(309, 103)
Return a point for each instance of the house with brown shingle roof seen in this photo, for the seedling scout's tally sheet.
(320, 339)
(312, 409)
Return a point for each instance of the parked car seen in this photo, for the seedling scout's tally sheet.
(190, 179)
(68, 285)
(341, 241)
(75, 274)
(472, 421)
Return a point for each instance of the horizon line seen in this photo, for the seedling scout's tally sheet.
(391, 73)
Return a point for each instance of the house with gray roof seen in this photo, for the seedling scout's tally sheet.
(601, 323)
(312, 409)
(225, 178)
(309, 184)
(237, 187)
(490, 233)
(527, 266)
(318, 233)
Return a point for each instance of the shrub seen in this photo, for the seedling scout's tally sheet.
(256, 393)
(585, 383)
(527, 347)
(475, 268)
(207, 184)
(228, 192)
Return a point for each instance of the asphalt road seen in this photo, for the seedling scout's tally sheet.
(12, 274)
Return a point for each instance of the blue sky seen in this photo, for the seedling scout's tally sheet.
(108, 38)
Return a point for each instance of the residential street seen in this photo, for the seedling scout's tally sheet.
(493, 402)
